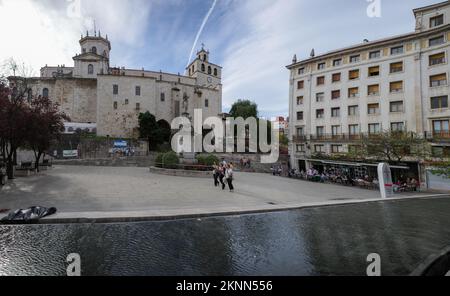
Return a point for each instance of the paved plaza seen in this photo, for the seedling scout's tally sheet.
(96, 190)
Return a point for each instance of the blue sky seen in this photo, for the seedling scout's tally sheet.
(252, 39)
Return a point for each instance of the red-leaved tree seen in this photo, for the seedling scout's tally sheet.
(45, 125)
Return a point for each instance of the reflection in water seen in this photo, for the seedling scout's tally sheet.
(320, 241)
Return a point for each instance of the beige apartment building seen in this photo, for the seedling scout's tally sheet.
(397, 83)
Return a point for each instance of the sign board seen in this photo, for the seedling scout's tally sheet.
(70, 153)
(120, 144)
(385, 179)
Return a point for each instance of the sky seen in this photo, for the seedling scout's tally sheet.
(253, 40)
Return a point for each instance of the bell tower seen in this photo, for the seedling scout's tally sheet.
(206, 73)
(94, 57)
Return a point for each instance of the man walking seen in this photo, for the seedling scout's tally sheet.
(229, 176)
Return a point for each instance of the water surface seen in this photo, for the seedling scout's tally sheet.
(318, 241)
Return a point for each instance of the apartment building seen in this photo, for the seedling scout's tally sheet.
(397, 83)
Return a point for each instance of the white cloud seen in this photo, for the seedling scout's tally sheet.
(254, 67)
(41, 32)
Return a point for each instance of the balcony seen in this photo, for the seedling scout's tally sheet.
(336, 138)
(299, 139)
(438, 137)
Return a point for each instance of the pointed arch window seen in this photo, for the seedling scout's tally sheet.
(203, 68)
(90, 69)
(209, 70)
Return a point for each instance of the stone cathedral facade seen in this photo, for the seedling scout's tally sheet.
(92, 92)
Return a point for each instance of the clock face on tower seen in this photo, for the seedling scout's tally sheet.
(209, 80)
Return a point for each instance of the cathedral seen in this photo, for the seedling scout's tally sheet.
(93, 93)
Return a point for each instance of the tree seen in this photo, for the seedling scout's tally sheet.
(244, 109)
(156, 132)
(394, 146)
(441, 169)
(13, 123)
(45, 125)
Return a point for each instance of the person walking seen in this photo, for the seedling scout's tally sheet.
(216, 175)
(221, 175)
(229, 176)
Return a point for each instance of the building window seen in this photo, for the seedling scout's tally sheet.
(437, 59)
(163, 97)
(354, 149)
(209, 70)
(301, 71)
(336, 148)
(138, 91)
(396, 87)
(374, 128)
(300, 131)
(115, 105)
(353, 92)
(320, 131)
(437, 21)
(441, 128)
(355, 58)
(203, 68)
(397, 50)
(45, 92)
(90, 69)
(319, 148)
(206, 103)
(301, 148)
(373, 109)
(126, 101)
(115, 89)
(138, 106)
(373, 90)
(299, 116)
(337, 62)
(336, 112)
(353, 74)
(300, 100)
(321, 80)
(336, 77)
(396, 106)
(353, 110)
(320, 97)
(94, 50)
(335, 130)
(335, 94)
(353, 129)
(300, 84)
(320, 66)
(215, 72)
(374, 71)
(437, 41)
(320, 113)
(374, 54)
(439, 102)
(396, 67)
(438, 80)
(397, 127)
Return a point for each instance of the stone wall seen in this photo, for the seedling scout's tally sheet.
(76, 97)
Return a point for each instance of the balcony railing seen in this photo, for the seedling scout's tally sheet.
(443, 136)
(299, 139)
(437, 61)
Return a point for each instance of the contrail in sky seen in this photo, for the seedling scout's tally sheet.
(205, 20)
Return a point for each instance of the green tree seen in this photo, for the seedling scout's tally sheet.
(394, 146)
(150, 130)
(244, 109)
(441, 169)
